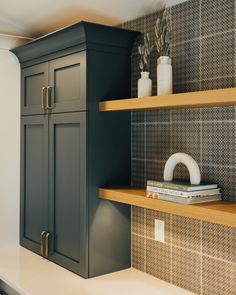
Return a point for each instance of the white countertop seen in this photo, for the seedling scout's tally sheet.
(30, 274)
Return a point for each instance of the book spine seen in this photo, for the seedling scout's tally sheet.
(166, 191)
(173, 186)
(157, 195)
(190, 200)
(173, 199)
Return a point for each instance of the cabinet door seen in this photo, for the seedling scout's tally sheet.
(33, 79)
(67, 191)
(68, 82)
(34, 180)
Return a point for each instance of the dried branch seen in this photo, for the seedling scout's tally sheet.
(163, 33)
(144, 51)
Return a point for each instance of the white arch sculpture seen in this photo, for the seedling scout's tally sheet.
(188, 161)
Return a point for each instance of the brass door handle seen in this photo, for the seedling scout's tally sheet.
(48, 98)
(44, 89)
(42, 243)
(47, 244)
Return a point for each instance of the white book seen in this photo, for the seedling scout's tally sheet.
(182, 185)
(186, 201)
(167, 191)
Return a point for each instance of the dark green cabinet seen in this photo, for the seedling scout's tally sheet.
(54, 186)
(69, 149)
(55, 86)
(33, 80)
(34, 180)
(67, 190)
(67, 79)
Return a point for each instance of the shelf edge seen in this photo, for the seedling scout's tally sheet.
(209, 98)
(199, 212)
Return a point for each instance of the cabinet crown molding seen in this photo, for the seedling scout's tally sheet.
(80, 36)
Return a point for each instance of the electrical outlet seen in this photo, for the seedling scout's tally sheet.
(159, 231)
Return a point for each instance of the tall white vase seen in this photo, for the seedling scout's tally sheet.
(144, 85)
(164, 76)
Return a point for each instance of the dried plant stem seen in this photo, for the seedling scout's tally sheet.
(145, 50)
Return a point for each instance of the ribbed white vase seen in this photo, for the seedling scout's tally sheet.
(144, 85)
(164, 76)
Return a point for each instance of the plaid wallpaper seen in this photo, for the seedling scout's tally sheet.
(197, 256)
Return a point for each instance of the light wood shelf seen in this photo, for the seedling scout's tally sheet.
(216, 212)
(210, 98)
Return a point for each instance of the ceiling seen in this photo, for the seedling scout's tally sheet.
(34, 18)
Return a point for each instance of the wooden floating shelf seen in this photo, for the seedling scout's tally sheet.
(210, 98)
(216, 212)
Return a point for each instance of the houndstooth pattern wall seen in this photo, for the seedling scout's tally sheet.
(197, 256)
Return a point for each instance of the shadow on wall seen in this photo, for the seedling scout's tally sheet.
(70, 15)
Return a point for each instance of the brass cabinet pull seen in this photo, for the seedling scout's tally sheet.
(47, 244)
(43, 97)
(42, 243)
(48, 98)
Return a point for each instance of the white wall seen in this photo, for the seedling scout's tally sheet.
(9, 144)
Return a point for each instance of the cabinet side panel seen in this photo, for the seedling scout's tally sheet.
(109, 163)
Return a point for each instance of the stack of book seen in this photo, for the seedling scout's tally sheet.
(183, 192)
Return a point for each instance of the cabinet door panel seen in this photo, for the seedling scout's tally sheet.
(67, 79)
(67, 190)
(34, 180)
(33, 79)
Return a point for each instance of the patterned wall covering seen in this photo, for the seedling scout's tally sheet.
(197, 256)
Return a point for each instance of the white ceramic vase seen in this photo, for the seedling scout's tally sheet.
(144, 85)
(164, 76)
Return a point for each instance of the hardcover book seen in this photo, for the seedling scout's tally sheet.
(183, 194)
(181, 200)
(181, 185)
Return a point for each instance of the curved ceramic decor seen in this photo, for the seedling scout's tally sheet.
(188, 161)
